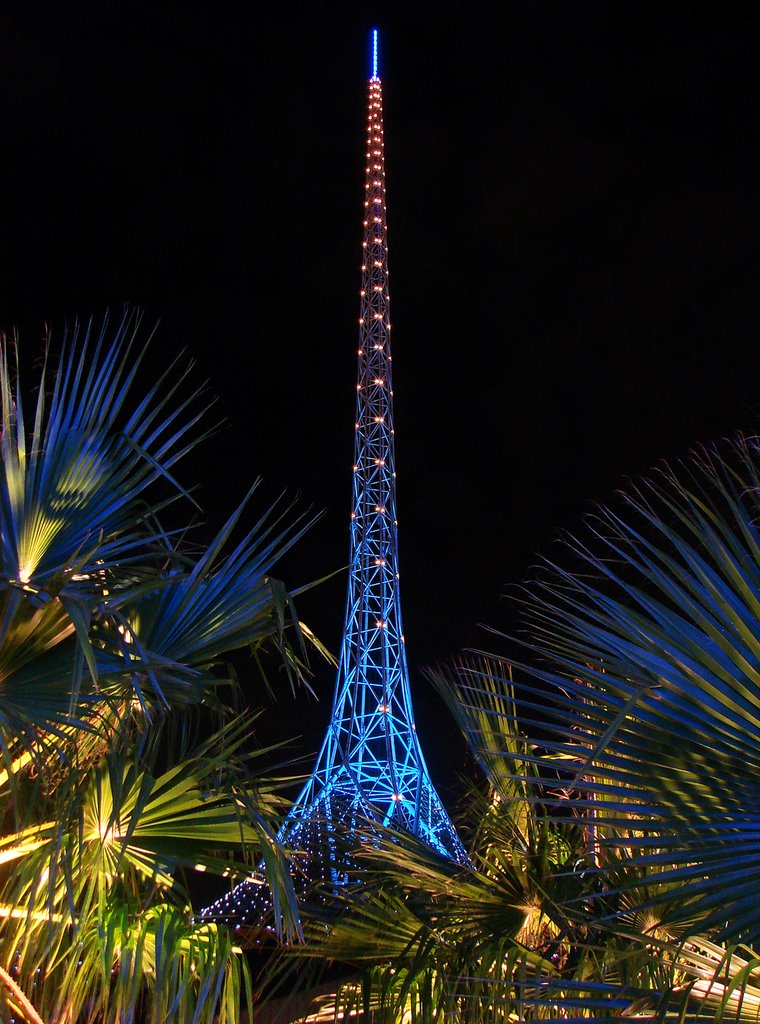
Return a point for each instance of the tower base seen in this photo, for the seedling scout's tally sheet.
(324, 835)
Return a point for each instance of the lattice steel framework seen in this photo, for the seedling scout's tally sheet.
(371, 765)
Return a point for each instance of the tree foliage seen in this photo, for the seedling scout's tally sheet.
(126, 766)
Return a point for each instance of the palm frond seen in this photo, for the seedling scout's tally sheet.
(177, 631)
(69, 501)
(645, 667)
(118, 794)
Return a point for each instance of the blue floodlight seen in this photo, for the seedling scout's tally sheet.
(374, 53)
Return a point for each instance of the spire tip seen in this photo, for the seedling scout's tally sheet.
(374, 54)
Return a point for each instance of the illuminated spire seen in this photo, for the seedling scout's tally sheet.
(371, 766)
(371, 757)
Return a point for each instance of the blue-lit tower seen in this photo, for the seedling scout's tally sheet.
(371, 766)
(371, 761)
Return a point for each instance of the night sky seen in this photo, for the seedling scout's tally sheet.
(573, 198)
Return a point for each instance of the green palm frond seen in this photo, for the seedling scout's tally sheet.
(646, 662)
(69, 499)
(133, 835)
(147, 617)
(479, 695)
(152, 966)
(177, 631)
(39, 663)
(75, 523)
(201, 814)
(126, 773)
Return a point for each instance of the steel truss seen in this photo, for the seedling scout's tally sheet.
(371, 765)
(371, 754)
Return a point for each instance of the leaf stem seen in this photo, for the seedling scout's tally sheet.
(29, 1010)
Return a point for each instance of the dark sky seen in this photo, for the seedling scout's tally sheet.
(575, 261)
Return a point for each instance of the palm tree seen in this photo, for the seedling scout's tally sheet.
(651, 648)
(126, 769)
(646, 656)
(615, 861)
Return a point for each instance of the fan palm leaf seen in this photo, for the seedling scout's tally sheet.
(69, 500)
(130, 835)
(116, 792)
(652, 650)
(177, 631)
(73, 512)
(153, 965)
(639, 677)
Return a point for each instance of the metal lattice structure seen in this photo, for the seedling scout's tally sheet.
(371, 766)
